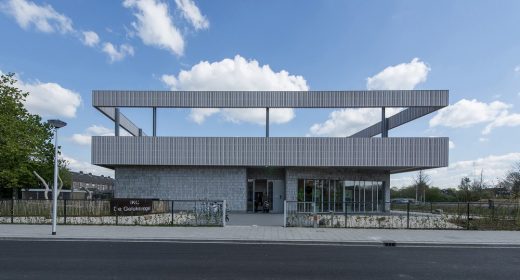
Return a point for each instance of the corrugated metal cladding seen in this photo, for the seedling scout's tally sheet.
(271, 99)
(261, 151)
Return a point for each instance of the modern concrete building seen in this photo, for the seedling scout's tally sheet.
(245, 170)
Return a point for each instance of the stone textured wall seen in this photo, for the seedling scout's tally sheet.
(183, 183)
(292, 174)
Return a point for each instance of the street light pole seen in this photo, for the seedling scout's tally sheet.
(55, 187)
(56, 124)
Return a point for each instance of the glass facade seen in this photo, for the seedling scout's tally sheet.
(338, 195)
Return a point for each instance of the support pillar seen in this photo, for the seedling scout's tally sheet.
(266, 122)
(154, 121)
(384, 124)
(116, 122)
(140, 132)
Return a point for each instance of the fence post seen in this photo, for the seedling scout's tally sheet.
(117, 220)
(12, 210)
(314, 215)
(431, 207)
(196, 214)
(172, 212)
(224, 213)
(285, 213)
(493, 212)
(408, 215)
(467, 215)
(346, 212)
(64, 211)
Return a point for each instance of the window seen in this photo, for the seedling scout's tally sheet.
(340, 196)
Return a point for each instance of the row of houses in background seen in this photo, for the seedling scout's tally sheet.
(84, 186)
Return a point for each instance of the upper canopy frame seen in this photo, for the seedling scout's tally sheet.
(417, 102)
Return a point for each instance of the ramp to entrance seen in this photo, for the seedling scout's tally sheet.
(255, 219)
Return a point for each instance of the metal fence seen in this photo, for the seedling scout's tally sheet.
(490, 215)
(98, 212)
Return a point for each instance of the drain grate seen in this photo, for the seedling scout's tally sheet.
(389, 243)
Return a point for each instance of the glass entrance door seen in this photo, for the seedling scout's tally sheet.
(250, 195)
(270, 194)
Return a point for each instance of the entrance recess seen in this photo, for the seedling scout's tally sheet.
(261, 190)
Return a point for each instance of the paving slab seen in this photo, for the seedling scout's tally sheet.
(259, 234)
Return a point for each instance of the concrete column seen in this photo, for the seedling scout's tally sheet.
(116, 122)
(266, 122)
(384, 124)
(154, 122)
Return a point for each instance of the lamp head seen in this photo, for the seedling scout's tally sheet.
(57, 123)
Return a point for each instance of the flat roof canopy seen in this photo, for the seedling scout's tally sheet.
(270, 99)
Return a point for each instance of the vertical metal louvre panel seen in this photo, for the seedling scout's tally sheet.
(279, 151)
(272, 99)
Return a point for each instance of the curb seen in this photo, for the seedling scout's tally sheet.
(374, 243)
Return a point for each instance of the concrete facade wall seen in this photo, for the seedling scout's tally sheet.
(183, 183)
(294, 173)
(219, 183)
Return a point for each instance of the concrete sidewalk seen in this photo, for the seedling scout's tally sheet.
(259, 234)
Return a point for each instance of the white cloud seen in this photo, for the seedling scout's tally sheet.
(81, 139)
(116, 54)
(191, 12)
(50, 99)
(85, 138)
(517, 68)
(451, 144)
(155, 25)
(403, 76)
(257, 116)
(44, 18)
(493, 167)
(466, 113)
(504, 119)
(86, 167)
(90, 38)
(483, 139)
(345, 122)
(94, 130)
(199, 115)
(236, 74)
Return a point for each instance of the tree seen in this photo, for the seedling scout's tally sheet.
(465, 189)
(421, 184)
(433, 194)
(512, 181)
(477, 187)
(25, 141)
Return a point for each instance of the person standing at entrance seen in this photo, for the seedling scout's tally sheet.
(266, 206)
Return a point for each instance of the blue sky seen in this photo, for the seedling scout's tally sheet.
(61, 50)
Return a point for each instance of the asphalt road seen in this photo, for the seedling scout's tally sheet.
(166, 260)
